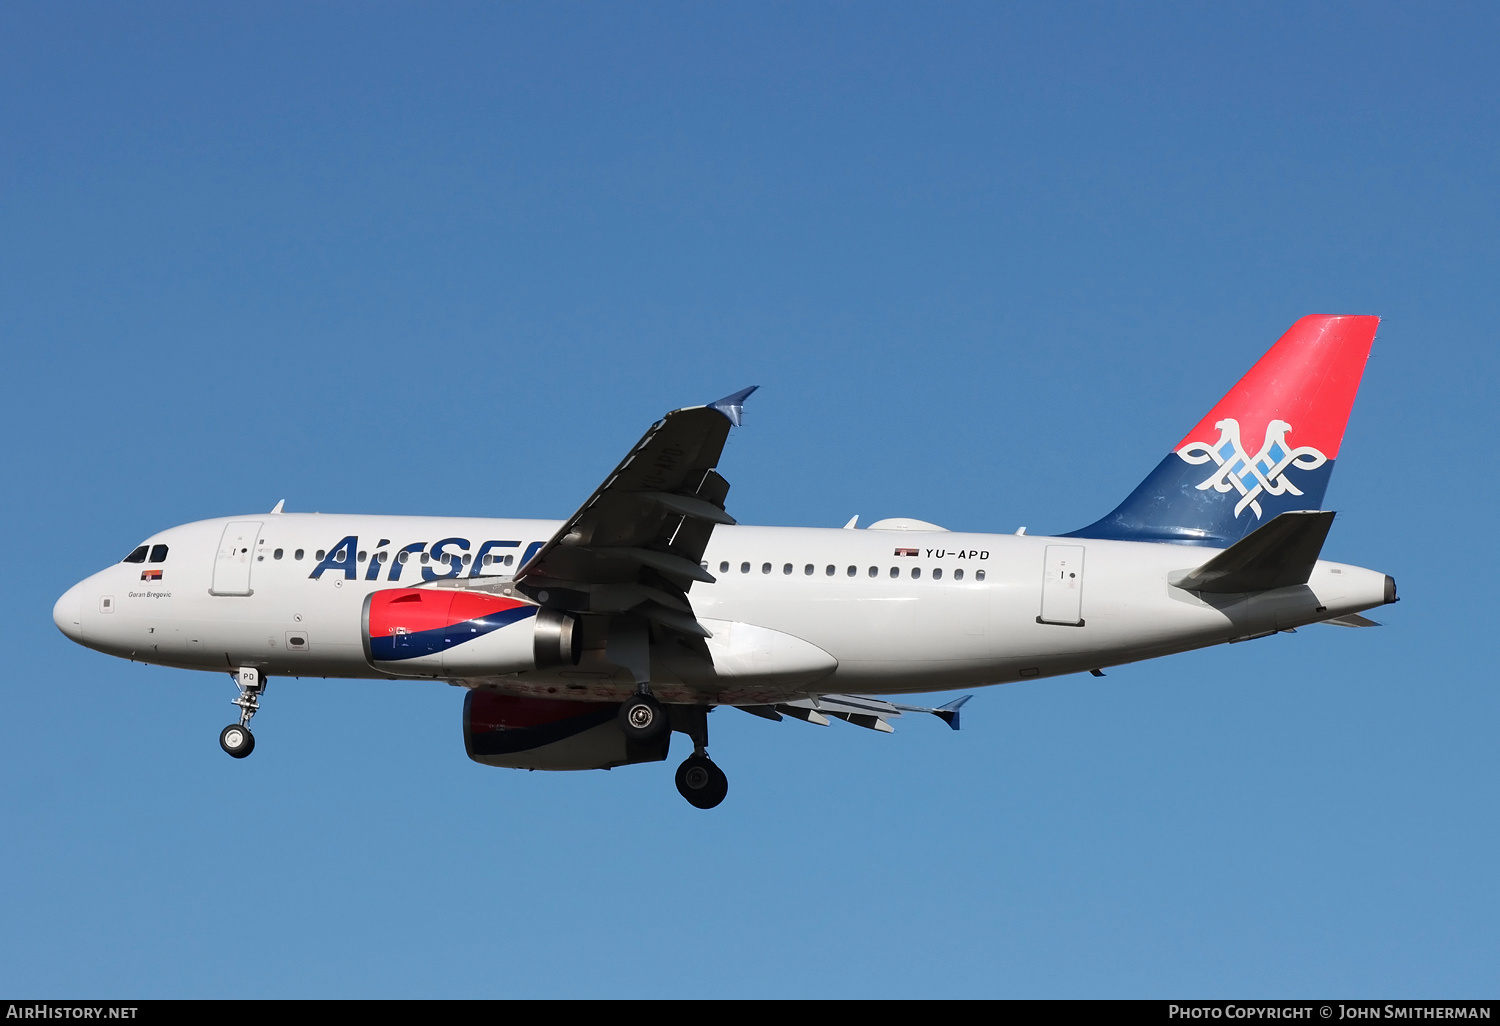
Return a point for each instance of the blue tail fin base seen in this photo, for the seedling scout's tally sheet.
(1170, 507)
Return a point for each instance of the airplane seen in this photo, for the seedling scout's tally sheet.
(587, 643)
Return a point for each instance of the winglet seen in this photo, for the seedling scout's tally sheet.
(280, 506)
(949, 713)
(733, 406)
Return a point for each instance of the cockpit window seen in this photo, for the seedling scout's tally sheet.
(138, 556)
(158, 553)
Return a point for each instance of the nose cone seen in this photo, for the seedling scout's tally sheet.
(68, 613)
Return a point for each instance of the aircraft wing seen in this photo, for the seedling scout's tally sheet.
(636, 545)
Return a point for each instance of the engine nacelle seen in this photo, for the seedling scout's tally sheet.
(438, 632)
(549, 734)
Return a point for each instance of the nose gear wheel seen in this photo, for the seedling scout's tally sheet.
(236, 738)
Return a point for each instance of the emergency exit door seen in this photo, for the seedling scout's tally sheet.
(1062, 586)
(236, 557)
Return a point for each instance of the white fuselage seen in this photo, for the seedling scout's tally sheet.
(964, 611)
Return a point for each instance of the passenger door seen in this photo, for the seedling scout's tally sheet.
(236, 557)
(1062, 586)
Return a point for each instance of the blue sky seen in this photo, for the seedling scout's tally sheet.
(987, 263)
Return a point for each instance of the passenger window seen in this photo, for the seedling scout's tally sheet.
(158, 553)
(467, 559)
(724, 567)
(808, 570)
(744, 568)
(895, 571)
(138, 556)
(958, 575)
(978, 575)
(874, 571)
(916, 572)
(765, 568)
(297, 554)
(277, 554)
(363, 555)
(426, 557)
(509, 560)
(787, 569)
(937, 573)
(829, 571)
(319, 555)
(384, 557)
(853, 571)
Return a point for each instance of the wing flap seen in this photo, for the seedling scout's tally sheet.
(860, 710)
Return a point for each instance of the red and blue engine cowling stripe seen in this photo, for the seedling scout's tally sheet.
(407, 623)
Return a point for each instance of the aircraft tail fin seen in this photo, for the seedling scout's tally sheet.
(1266, 448)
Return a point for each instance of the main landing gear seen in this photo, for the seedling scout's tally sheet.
(643, 719)
(236, 738)
(646, 721)
(699, 780)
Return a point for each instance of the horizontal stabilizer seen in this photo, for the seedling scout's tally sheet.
(1353, 620)
(1278, 555)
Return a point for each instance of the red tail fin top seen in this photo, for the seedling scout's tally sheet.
(1308, 380)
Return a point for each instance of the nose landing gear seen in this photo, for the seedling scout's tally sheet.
(699, 780)
(236, 738)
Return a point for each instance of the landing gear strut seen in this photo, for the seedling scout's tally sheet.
(236, 738)
(701, 782)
